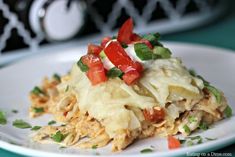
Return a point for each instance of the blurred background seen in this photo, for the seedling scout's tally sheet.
(27, 26)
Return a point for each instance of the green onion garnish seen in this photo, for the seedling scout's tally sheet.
(83, 67)
(3, 119)
(228, 112)
(203, 126)
(38, 109)
(94, 146)
(57, 77)
(186, 129)
(114, 72)
(37, 91)
(19, 123)
(215, 92)
(14, 111)
(35, 128)
(147, 150)
(58, 136)
(153, 39)
(162, 52)
(51, 122)
(143, 51)
(192, 119)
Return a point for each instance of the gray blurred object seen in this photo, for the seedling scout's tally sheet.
(165, 16)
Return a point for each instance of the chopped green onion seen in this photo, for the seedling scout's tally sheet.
(186, 129)
(14, 111)
(153, 39)
(67, 88)
(215, 92)
(57, 77)
(37, 91)
(147, 150)
(83, 67)
(3, 119)
(58, 136)
(94, 146)
(62, 147)
(192, 119)
(228, 112)
(124, 45)
(203, 126)
(51, 122)
(114, 72)
(102, 54)
(189, 143)
(19, 123)
(192, 72)
(35, 128)
(143, 51)
(162, 52)
(38, 109)
(210, 139)
(182, 141)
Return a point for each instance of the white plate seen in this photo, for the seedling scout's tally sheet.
(16, 80)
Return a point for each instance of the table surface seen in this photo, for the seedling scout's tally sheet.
(221, 33)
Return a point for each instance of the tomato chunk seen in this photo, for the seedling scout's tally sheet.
(131, 77)
(96, 71)
(135, 37)
(94, 49)
(173, 143)
(104, 41)
(117, 55)
(154, 115)
(125, 32)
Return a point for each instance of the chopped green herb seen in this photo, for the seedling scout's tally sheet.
(189, 143)
(162, 52)
(203, 126)
(3, 119)
(51, 122)
(63, 125)
(192, 72)
(186, 129)
(114, 72)
(94, 146)
(35, 128)
(143, 51)
(153, 39)
(147, 150)
(192, 119)
(124, 45)
(58, 136)
(14, 111)
(83, 67)
(57, 77)
(210, 139)
(228, 112)
(62, 147)
(102, 55)
(67, 88)
(37, 91)
(182, 141)
(195, 137)
(19, 123)
(215, 92)
(38, 109)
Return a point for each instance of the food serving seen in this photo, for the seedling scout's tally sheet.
(127, 88)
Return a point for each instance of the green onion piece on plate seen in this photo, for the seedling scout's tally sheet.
(143, 51)
(228, 112)
(215, 92)
(83, 67)
(163, 52)
(114, 72)
(3, 119)
(19, 123)
(58, 136)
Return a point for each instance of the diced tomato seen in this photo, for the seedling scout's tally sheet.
(104, 41)
(117, 55)
(173, 143)
(94, 49)
(96, 72)
(154, 115)
(125, 32)
(131, 77)
(135, 37)
(96, 75)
